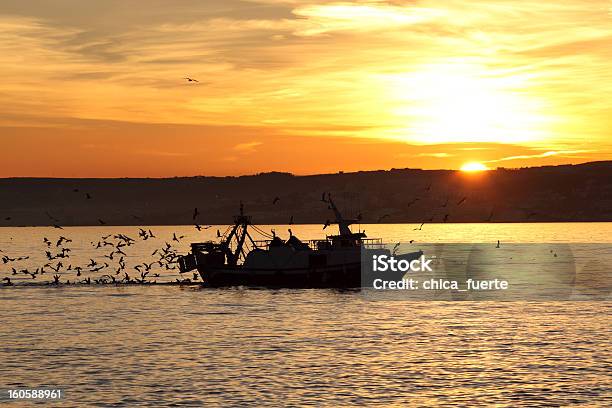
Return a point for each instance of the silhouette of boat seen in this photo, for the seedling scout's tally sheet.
(240, 260)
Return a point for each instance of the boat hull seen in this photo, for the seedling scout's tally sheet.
(332, 276)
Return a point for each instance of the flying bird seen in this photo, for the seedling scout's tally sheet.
(395, 247)
(190, 79)
(51, 217)
(413, 201)
(382, 217)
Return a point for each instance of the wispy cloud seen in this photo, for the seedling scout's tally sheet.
(248, 147)
(540, 155)
(438, 155)
(359, 17)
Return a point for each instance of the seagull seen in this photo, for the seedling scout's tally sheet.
(413, 201)
(51, 217)
(382, 218)
(102, 222)
(420, 228)
(396, 247)
(191, 79)
(8, 281)
(57, 226)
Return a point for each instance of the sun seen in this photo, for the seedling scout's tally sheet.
(473, 167)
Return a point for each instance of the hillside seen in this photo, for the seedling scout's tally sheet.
(560, 193)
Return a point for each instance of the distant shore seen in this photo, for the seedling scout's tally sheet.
(568, 193)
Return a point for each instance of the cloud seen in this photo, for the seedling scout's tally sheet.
(540, 155)
(248, 147)
(334, 69)
(437, 154)
(325, 18)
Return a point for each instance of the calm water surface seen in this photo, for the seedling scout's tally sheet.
(188, 346)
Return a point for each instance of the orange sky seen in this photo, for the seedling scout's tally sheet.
(95, 88)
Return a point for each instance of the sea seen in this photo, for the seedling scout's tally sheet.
(186, 345)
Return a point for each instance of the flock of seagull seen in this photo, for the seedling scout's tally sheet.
(109, 267)
(113, 269)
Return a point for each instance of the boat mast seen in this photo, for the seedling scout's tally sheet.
(343, 224)
(240, 233)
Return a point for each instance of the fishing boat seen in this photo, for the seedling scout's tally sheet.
(238, 259)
